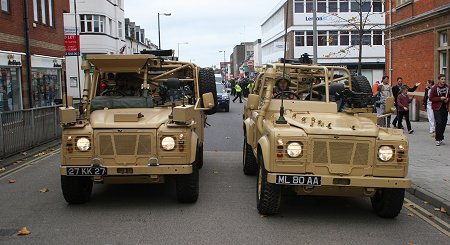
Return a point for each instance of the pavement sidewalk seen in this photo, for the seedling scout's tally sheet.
(429, 166)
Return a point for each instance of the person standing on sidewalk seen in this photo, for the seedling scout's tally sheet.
(396, 90)
(427, 105)
(238, 92)
(403, 102)
(386, 91)
(439, 97)
(380, 105)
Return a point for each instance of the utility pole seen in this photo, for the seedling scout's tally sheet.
(315, 31)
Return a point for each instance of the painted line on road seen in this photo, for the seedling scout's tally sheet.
(413, 207)
(28, 164)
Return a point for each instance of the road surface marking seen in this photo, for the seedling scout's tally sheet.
(414, 209)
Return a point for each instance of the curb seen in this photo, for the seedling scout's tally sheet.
(430, 197)
(4, 163)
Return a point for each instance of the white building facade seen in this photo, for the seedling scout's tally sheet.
(100, 24)
(338, 39)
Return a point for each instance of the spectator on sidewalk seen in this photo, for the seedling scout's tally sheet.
(439, 97)
(380, 103)
(238, 92)
(427, 105)
(403, 102)
(387, 92)
(396, 90)
(375, 88)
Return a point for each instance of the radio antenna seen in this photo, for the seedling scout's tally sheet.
(281, 119)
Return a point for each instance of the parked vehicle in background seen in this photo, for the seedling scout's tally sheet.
(223, 98)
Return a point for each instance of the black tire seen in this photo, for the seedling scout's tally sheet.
(361, 84)
(268, 196)
(187, 186)
(250, 165)
(199, 156)
(207, 83)
(76, 190)
(388, 203)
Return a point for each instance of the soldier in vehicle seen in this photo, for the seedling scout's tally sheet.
(282, 89)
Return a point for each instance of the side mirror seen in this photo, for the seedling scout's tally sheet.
(208, 100)
(253, 101)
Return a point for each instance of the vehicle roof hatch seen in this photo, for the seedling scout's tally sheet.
(119, 63)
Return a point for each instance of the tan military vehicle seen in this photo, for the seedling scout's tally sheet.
(317, 135)
(143, 121)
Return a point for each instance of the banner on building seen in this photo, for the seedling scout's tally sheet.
(72, 42)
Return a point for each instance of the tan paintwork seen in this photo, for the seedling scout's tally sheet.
(341, 147)
(127, 141)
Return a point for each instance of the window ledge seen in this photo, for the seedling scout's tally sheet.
(403, 5)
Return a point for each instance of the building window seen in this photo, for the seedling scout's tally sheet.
(366, 40)
(43, 12)
(299, 6)
(119, 28)
(443, 39)
(377, 6)
(46, 11)
(333, 38)
(309, 38)
(35, 11)
(321, 6)
(299, 38)
(4, 5)
(322, 38)
(377, 38)
(50, 12)
(92, 23)
(110, 27)
(343, 6)
(332, 6)
(119, 3)
(443, 62)
(344, 38)
(309, 6)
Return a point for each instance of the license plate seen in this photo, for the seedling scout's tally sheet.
(299, 180)
(86, 171)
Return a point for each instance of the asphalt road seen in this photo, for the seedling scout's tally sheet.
(224, 214)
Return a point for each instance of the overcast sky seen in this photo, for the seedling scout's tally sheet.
(207, 25)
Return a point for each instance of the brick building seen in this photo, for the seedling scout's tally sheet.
(417, 40)
(31, 52)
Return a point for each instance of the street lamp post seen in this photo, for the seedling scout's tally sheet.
(159, 29)
(224, 63)
(178, 52)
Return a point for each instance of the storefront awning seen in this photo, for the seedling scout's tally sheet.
(119, 63)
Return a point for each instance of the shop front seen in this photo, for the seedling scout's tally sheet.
(46, 86)
(10, 81)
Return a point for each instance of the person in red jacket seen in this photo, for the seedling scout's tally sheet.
(403, 102)
(440, 97)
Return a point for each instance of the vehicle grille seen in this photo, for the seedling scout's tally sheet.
(126, 144)
(334, 152)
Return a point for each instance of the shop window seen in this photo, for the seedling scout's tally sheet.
(299, 38)
(332, 6)
(299, 6)
(377, 6)
(10, 92)
(343, 6)
(4, 5)
(333, 38)
(377, 38)
(309, 38)
(45, 86)
(321, 6)
(443, 39)
(322, 38)
(344, 38)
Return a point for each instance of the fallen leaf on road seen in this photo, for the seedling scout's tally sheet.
(430, 215)
(43, 190)
(445, 179)
(17, 162)
(2, 169)
(412, 205)
(12, 181)
(23, 232)
(410, 214)
(425, 202)
(227, 137)
(215, 172)
(24, 153)
(437, 209)
(442, 210)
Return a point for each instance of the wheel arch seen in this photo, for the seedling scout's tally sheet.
(264, 151)
(194, 145)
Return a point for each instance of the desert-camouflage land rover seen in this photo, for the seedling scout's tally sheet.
(143, 120)
(318, 135)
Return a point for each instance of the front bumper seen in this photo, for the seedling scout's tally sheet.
(223, 103)
(140, 170)
(353, 181)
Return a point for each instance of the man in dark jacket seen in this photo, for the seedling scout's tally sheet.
(396, 90)
(440, 97)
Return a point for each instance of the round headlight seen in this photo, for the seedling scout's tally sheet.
(294, 149)
(385, 153)
(83, 144)
(168, 143)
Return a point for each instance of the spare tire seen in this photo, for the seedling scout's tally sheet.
(206, 84)
(361, 84)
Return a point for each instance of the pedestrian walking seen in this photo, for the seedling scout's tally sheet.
(380, 104)
(396, 90)
(439, 97)
(427, 105)
(238, 92)
(375, 88)
(387, 92)
(403, 102)
(250, 86)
